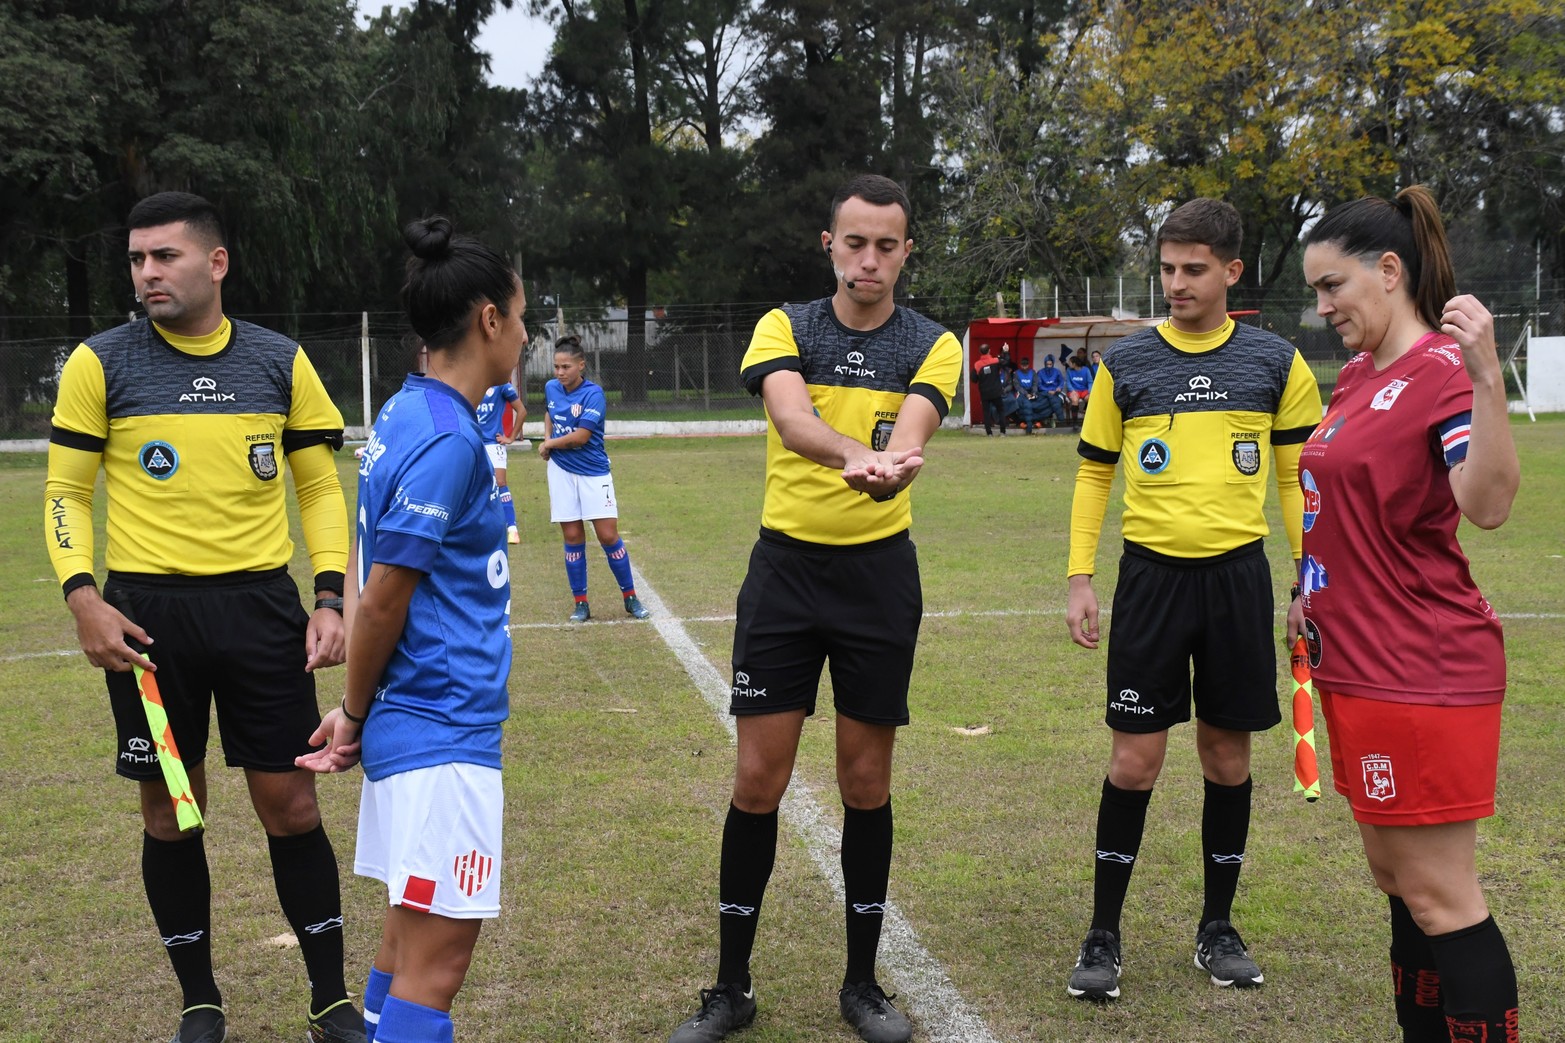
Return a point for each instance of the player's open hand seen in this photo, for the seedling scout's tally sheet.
(1469, 323)
(341, 749)
(325, 640)
(102, 629)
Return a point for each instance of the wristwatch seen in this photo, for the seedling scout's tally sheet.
(333, 603)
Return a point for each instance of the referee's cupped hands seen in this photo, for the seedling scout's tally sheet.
(883, 474)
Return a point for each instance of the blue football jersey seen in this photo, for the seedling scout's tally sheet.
(427, 501)
(569, 410)
(491, 411)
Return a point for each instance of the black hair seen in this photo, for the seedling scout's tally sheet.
(1210, 222)
(1409, 227)
(447, 276)
(874, 189)
(165, 208)
(570, 344)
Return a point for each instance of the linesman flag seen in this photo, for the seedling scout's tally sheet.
(186, 810)
(1306, 773)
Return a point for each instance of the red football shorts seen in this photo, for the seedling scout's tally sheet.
(1413, 764)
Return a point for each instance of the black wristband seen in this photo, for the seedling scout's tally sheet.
(331, 603)
(349, 714)
(1293, 595)
(81, 579)
(330, 583)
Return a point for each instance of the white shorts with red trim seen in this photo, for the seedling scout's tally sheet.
(432, 836)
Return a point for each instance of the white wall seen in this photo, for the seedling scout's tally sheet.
(1546, 374)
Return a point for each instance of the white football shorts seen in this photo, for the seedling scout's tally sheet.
(432, 836)
(578, 497)
(497, 454)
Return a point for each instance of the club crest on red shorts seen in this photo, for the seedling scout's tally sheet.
(472, 872)
(1379, 783)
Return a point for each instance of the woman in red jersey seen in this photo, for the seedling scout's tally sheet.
(1407, 654)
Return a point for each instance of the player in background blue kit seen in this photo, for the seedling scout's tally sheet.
(580, 485)
(497, 401)
(426, 688)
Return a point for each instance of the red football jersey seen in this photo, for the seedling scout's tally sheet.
(1391, 610)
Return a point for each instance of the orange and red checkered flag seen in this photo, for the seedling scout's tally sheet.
(1306, 772)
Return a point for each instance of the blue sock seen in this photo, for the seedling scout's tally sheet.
(405, 1022)
(375, 989)
(507, 506)
(619, 562)
(576, 568)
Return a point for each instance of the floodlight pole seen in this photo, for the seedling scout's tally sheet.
(364, 367)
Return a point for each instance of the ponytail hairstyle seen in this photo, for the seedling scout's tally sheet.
(1409, 227)
(447, 277)
(570, 344)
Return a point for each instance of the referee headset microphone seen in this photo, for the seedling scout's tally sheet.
(838, 271)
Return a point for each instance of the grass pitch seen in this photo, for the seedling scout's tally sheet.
(617, 777)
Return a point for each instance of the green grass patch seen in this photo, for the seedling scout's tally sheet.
(617, 778)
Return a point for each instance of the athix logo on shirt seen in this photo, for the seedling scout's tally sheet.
(205, 390)
(742, 689)
(855, 366)
(1201, 391)
(1311, 499)
(1386, 397)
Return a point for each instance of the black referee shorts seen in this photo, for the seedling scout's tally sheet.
(803, 604)
(238, 638)
(1214, 614)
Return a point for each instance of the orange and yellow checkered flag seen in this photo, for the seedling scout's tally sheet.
(186, 810)
(1306, 772)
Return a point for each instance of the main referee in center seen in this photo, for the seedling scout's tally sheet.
(854, 386)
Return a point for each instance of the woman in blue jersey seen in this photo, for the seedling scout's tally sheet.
(492, 409)
(580, 485)
(428, 648)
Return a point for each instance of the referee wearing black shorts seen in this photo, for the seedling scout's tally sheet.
(854, 386)
(193, 418)
(1195, 410)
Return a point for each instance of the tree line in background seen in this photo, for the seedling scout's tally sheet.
(684, 150)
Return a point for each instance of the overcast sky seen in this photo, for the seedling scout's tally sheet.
(517, 43)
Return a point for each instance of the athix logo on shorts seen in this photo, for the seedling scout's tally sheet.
(472, 872)
(205, 390)
(159, 460)
(1311, 499)
(742, 688)
(1130, 702)
(855, 367)
(1153, 456)
(138, 751)
(1386, 397)
(1379, 783)
(1201, 391)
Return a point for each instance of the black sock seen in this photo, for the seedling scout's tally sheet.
(305, 871)
(179, 889)
(1122, 816)
(866, 866)
(1479, 982)
(1415, 982)
(1225, 829)
(749, 849)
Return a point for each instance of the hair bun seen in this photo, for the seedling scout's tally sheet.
(429, 238)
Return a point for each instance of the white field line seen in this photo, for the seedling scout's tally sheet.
(729, 618)
(941, 1011)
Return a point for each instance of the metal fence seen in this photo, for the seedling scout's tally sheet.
(691, 358)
